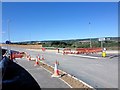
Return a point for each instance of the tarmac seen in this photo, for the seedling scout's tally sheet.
(93, 69)
(42, 77)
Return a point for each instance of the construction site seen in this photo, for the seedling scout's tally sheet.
(88, 68)
(59, 45)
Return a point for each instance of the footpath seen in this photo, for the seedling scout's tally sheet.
(42, 77)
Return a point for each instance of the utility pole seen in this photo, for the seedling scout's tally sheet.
(90, 37)
(101, 44)
(8, 30)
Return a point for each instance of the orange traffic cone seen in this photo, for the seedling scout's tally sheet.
(38, 57)
(56, 71)
(42, 58)
(29, 58)
(36, 62)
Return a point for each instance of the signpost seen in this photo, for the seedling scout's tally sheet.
(101, 39)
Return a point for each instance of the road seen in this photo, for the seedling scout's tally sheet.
(97, 72)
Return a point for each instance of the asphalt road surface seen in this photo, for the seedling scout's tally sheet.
(97, 72)
(42, 77)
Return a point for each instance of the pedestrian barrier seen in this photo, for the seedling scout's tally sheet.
(16, 55)
(67, 51)
(92, 50)
(82, 51)
(43, 49)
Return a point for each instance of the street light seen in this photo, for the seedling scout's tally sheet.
(90, 37)
(8, 29)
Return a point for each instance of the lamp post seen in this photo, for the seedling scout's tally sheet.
(101, 44)
(90, 37)
(8, 30)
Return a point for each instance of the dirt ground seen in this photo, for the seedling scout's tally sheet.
(24, 46)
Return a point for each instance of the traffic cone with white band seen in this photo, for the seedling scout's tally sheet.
(36, 62)
(56, 71)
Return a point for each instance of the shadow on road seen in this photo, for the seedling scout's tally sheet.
(14, 77)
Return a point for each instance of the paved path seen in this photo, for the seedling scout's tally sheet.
(42, 77)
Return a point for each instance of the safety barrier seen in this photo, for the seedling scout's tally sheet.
(17, 55)
(88, 50)
(82, 50)
(67, 51)
(43, 49)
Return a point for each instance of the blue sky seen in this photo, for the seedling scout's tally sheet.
(57, 21)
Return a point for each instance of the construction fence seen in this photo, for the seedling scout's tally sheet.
(82, 50)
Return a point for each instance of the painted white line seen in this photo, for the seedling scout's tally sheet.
(33, 69)
(77, 79)
(79, 55)
(70, 76)
(84, 56)
(58, 78)
(33, 59)
(81, 81)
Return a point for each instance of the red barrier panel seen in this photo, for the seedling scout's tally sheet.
(67, 51)
(82, 50)
(43, 49)
(16, 55)
(88, 50)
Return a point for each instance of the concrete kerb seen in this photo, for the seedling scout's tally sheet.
(81, 81)
(33, 59)
(77, 79)
(68, 75)
(46, 70)
(52, 73)
(66, 83)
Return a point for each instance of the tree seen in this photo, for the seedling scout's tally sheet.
(8, 42)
